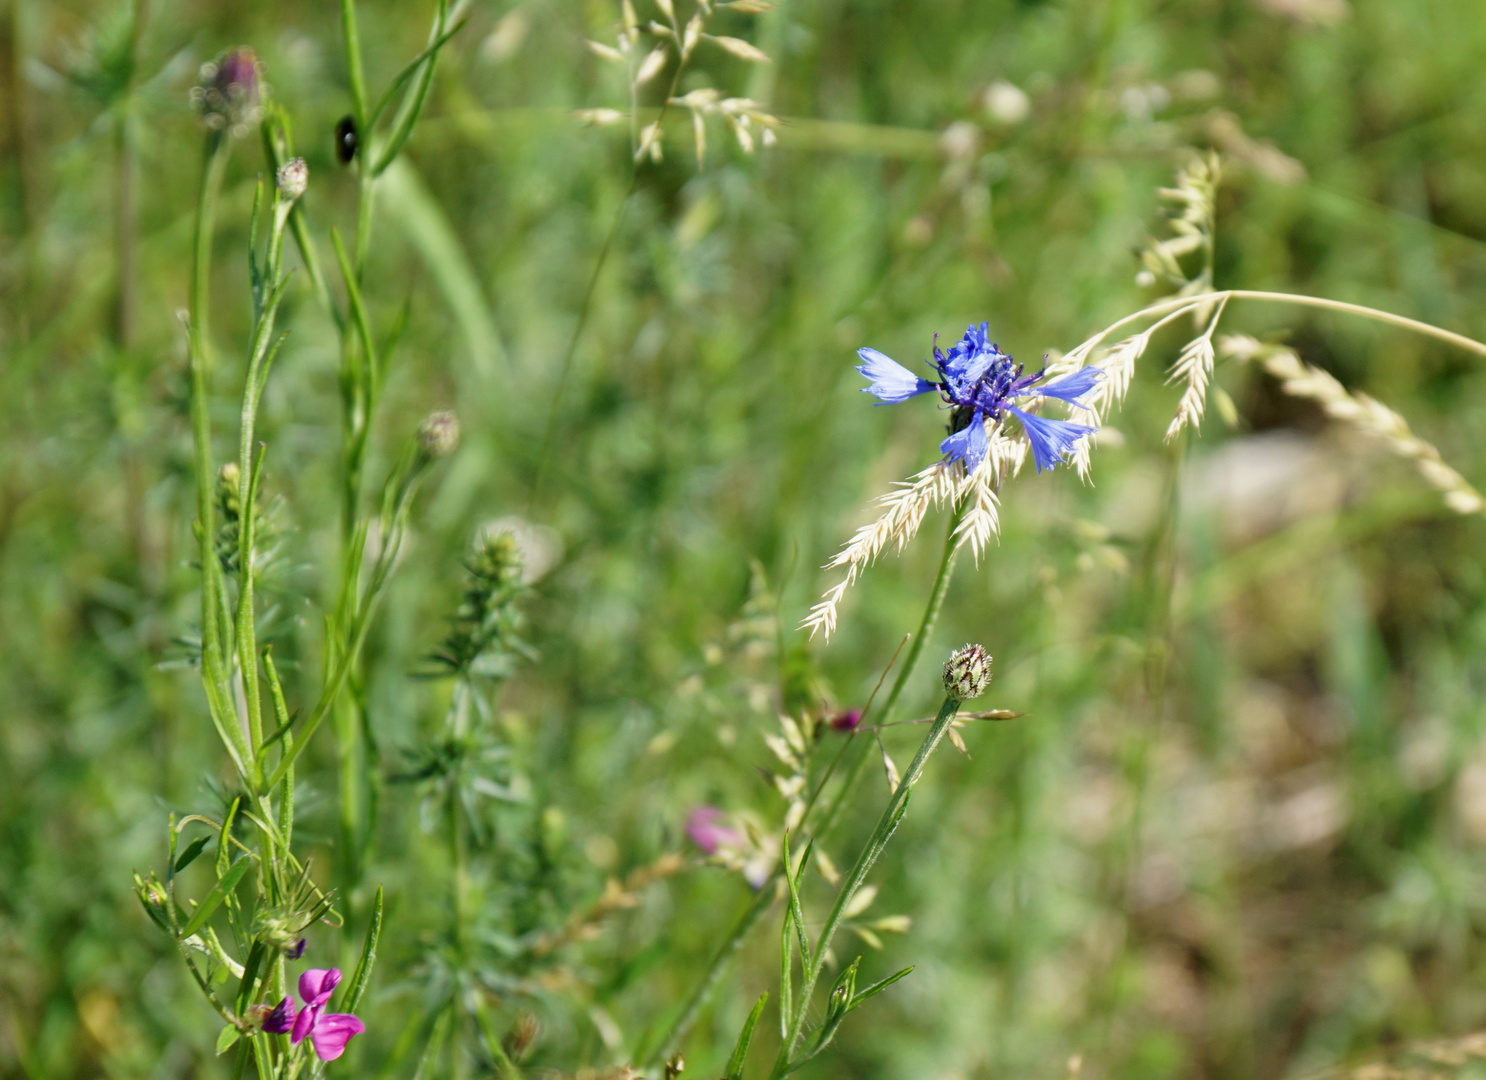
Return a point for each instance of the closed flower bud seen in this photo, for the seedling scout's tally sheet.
(231, 93)
(967, 673)
(293, 177)
(438, 435)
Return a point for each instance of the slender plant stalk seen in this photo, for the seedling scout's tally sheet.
(702, 993)
(887, 824)
(1183, 302)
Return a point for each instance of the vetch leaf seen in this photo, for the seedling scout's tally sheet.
(219, 892)
(193, 849)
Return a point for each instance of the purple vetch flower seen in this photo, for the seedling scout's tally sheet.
(731, 845)
(705, 825)
(846, 721)
(980, 382)
(328, 1032)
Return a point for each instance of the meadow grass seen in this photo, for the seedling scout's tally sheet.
(1237, 830)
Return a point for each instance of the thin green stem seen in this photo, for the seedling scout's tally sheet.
(915, 649)
(763, 899)
(213, 621)
(353, 63)
(887, 824)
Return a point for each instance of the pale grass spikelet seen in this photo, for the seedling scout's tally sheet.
(903, 512)
(741, 114)
(981, 522)
(605, 52)
(649, 142)
(692, 35)
(1191, 225)
(743, 50)
(1194, 367)
(601, 117)
(1364, 413)
(651, 66)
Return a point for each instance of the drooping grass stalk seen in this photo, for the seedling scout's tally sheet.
(1198, 300)
(764, 898)
(887, 824)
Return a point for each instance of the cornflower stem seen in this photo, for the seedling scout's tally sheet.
(764, 898)
(887, 824)
(910, 662)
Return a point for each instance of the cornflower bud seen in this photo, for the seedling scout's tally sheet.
(293, 177)
(438, 435)
(967, 673)
(231, 93)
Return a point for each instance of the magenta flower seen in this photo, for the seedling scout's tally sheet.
(846, 721)
(705, 825)
(328, 1032)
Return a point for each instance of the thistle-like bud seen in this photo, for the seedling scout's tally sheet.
(293, 177)
(438, 435)
(967, 673)
(231, 93)
(281, 928)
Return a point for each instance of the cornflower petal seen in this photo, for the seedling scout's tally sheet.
(1051, 439)
(1074, 386)
(891, 381)
(969, 443)
(331, 1033)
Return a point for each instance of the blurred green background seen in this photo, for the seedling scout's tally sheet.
(1240, 832)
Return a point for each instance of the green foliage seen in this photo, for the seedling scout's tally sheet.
(1238, 830)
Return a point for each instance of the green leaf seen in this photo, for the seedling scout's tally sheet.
(740, 1051)
(224, 841)
(364, 966)
(794, 900)
(408, 72)
(250, 976)
(413, 101)
(193, 849)
(219, 892)
(228, 1039)
(878, 987)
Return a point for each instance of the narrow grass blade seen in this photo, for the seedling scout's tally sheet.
(740, 1052)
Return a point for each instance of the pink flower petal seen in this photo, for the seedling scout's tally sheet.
(317, 984)
(304, 1023)
(332, 1032)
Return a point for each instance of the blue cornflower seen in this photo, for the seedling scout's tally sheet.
(979, 382)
